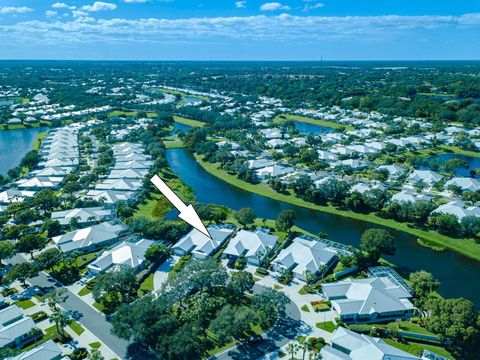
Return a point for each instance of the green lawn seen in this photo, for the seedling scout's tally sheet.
(467, 247)
(188, 122)
(99, 306)
(38, 140)
(308, 120)
(417, 348)
(25, 304)
(48, 334)
(147, 284)
(95, 345)
(76, 327)
(327, 326)
(174, 144)
(305, 308)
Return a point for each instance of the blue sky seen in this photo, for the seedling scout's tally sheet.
(240, 30)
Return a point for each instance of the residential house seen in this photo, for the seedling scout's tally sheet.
(49, 350)
(253, 246)
(327, 155)
(120, 184)
(410, 196)
(38, 183)
(90, 238)
(394, 171)
(375, 299)
(305, 256)
(200, 245)
(13, 196)
(273, 171)
(458, 208)
(348, 345)
(127, 253)
(14, 327)
(428, 177)
(259, 163)
(83, 215)
(128, 174)
(110, 196)
(464, 183)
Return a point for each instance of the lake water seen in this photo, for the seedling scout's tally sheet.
(191, 99)
(179, 127)
(7, 102)
(14, 144)
(456, 273)
(306, 128)
(473, 162)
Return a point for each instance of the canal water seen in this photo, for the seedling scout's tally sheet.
(456, 273)
(14, 144)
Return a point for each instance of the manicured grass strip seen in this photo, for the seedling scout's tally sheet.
(305, 308)
(84, 291)
(327, 326)
(188, 122)
(25, 304)
(312, 121)
(76, 327)
(416, 348)
(99, 306)
(467, 247)
(95, 345)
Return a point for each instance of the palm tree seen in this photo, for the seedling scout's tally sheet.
(302, 345)
(292, 349)
(61, 319)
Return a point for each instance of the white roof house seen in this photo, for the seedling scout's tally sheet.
(348, 345)
(369, 300)
(133, 164)
(83, 215)
(303, 256)
(47, 351)
(258, 164)
(89, 238)
(274, 170)
(52, 171)
(14, 327)
(200, 245)
(362, 187)
(131, 254)
(110, 196)
(394, 171)
(39, 182)
(458, 208)
(120, 184)
(410, 196)
(13, 195)
(327, 155)
(427, 176)
(465, 183)
(128, 174)
(252, 245)
(132, 157)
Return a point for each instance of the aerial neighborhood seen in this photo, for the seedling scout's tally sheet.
(325, 242)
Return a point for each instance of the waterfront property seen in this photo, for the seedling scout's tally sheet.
(375, 299)
(200, 245)
(253, 246)
(304, 256)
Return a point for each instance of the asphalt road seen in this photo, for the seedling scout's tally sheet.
(88, 317)
(287, 328)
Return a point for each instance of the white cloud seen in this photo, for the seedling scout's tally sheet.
(14, 10)
(272, 6)
(59, 5)
(99, 6)
(240, 4)
(135, 1)
(85, 29)
(311, 6)
(51, 13)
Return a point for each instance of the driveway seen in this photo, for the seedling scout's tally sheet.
(161, 274)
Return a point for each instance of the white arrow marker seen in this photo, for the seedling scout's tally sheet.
(187, 212)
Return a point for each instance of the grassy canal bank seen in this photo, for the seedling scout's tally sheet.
(467, 247)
